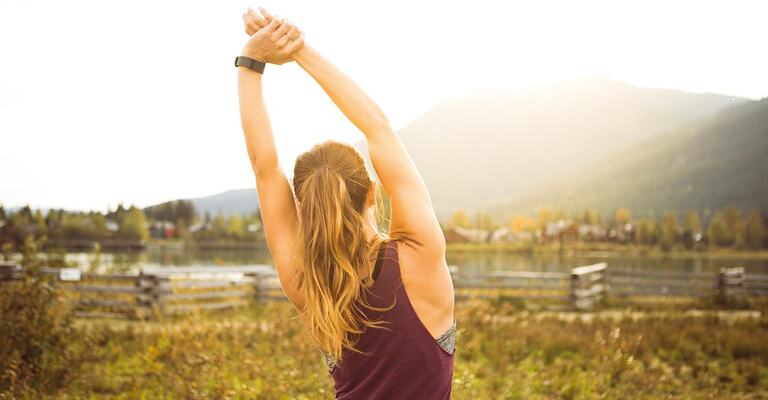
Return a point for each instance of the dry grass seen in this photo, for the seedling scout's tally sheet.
(261, 352)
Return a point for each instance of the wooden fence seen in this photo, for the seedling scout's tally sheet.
(161, 291)
(586, 287)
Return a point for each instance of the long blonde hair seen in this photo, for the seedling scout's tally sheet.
(331, 184)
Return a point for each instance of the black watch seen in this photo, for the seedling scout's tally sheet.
(251, 63)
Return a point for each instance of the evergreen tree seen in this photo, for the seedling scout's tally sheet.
(646, 232)
(717, 231)
(459, 218)
(692, 228)
(622, 216)
(134, 225)
(735, 225)
(589, 217)
(669, 231)
(755, 230)
(236, 227)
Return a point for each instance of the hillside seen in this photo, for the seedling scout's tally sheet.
(707, 165)
(493, 147)
(497, 146)
(238, 201)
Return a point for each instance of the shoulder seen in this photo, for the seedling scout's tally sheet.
(428, 251)
(427, 283)
(418, 261)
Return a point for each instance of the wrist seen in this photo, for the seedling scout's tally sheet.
(250, 63)
(302, 54)
(253, 54)
(244, 71)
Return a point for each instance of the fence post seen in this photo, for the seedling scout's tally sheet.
(148, 298)
(258, 287)
(9, 271)
(588, 285)
(730, 284)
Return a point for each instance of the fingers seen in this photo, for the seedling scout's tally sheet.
(293, 32)
(266, 14)
(280, 35)
(251, 26)
(287, 38)
(272, 25)
(285, 25)
(260, 21)
(295, 44)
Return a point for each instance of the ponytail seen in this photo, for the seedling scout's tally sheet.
(335, 258)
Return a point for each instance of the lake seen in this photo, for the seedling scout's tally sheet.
(469, 262)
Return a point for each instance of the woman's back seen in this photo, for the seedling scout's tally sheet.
(403, 360)
(320, 234)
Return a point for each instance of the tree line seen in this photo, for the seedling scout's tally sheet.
(729, 227)
(170, 220)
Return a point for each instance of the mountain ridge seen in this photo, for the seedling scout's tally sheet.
(707, 165)
(491, 146)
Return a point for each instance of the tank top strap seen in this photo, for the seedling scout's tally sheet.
(389, 264)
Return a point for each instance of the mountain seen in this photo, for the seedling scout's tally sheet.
(505, 147)
(707, 165)
(491, 146)
(238, 201)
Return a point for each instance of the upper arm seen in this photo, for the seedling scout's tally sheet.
(278, 207)
(413, 217)
(280, 218)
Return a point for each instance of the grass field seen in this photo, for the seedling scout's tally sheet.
(502, 353)
(655, 349)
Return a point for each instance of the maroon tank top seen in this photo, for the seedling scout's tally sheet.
(403, 361)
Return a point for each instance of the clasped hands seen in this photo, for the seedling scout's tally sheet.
(272, 39)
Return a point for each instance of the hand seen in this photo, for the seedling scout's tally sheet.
(273, 40)
(255, 21)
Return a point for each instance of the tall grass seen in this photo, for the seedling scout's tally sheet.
(39, 350)
(502, 353)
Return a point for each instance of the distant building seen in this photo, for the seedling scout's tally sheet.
(502, 235)
(451, 236)
(591, 232)
(458, 234)
(562, 230)
(112, 226)
(200, 226)
(522, 236)
(162, 230)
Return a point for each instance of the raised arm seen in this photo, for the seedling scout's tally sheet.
(278, 207)
(413, 216)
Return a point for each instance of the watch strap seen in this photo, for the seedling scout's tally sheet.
(251, 63)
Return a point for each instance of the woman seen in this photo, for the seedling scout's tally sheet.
(379, 307)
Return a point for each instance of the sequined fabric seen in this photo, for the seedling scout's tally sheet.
(447, 341)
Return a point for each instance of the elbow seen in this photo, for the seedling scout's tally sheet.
(381, 119)
(264, 167)
(379, 124)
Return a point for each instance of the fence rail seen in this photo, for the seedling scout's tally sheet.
(174, 290)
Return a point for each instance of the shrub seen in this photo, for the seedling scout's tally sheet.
(36, 334)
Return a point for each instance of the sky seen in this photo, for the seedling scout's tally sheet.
(103, 102)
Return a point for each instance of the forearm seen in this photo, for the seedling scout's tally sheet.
(255, 122)
(356, 105)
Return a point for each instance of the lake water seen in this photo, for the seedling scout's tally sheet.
(468, 262)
